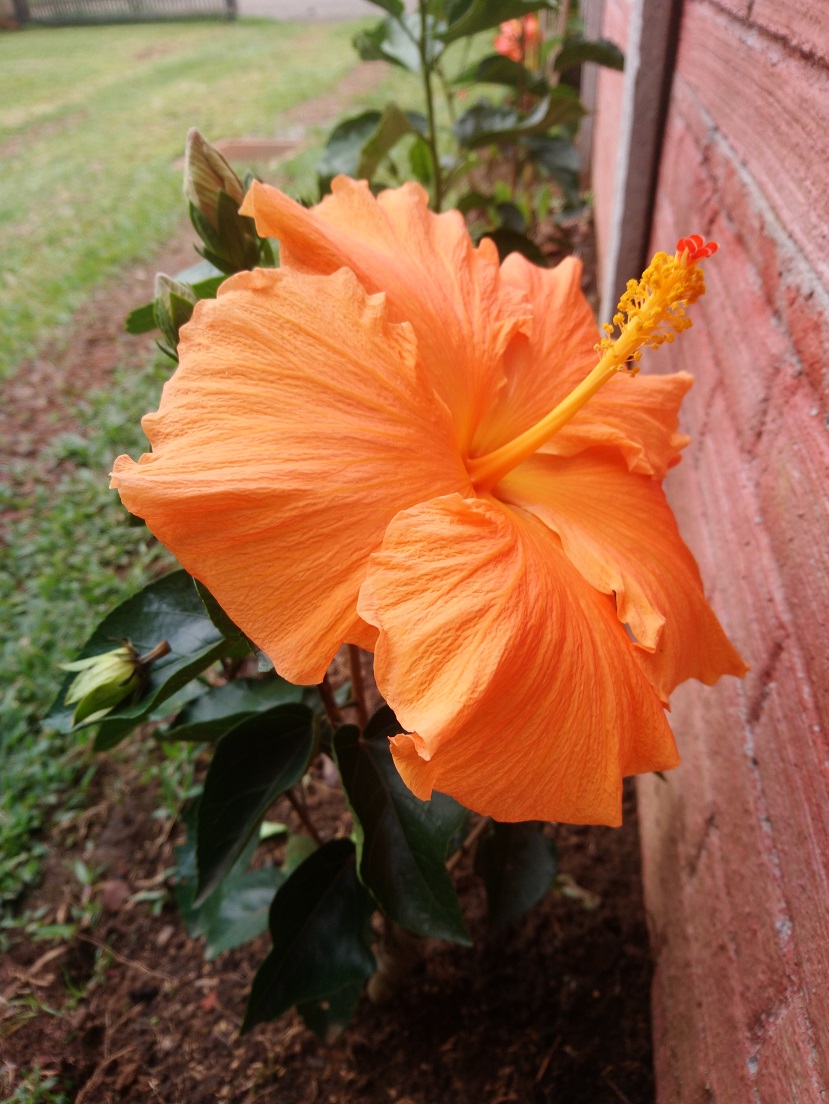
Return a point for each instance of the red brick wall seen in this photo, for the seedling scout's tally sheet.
(736, 841)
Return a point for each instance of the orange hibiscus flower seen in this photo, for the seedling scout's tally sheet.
(517, 36)
(388, 442)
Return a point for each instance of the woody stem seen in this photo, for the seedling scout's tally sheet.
(332, 710)
(358, 688)
(303, 814)
(426, 71)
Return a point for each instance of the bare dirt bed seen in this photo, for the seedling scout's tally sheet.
(555, 1009)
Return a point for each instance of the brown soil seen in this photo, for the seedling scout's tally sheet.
(555, 1009)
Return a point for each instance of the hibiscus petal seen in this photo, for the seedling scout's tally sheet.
(617, 528)
(515, 678)
(639, 415)
(452, 294)
(297, 424)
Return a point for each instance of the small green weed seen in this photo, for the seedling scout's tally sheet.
(36, 1088)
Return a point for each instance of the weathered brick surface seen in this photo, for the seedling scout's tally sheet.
(748, 368)
(791, 751)
(745, 584)
(678, 1029)
(776, 124)
(717, 980)
(794, 497)
(803, 23)
(787, 1048)
(736, 842)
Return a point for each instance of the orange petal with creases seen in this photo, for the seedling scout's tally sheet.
(617, 529)
(296, 426)
(514, 678)
(452, 293)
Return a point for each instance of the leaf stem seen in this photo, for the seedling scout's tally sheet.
(425, 68)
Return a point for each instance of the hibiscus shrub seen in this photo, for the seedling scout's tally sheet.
(525, 137)
(396, 441)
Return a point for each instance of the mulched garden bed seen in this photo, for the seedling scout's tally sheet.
(554, 1009)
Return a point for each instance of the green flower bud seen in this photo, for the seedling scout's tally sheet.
(206, 173)
(174, 303)
(105, 681)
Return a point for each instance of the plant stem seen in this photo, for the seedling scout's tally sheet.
(358, 689)
(448, 94)
(474, 833)
(397, 953)
(332, 710)
(425, 68)
(303, 814)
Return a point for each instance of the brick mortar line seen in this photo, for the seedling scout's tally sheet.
(749, 24)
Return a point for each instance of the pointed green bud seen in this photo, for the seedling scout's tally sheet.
(173, 306)
(107, 680)
(206, 174)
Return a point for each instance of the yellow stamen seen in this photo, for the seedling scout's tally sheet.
(651, 311)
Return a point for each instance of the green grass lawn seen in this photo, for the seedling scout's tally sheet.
(92, 120)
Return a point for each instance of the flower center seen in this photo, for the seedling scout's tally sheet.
(651, 311)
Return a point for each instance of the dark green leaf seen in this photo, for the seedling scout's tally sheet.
(468, 17)
(518, 864)
(511, 217)
(391, 127)
(319, 924)
(559, 159)
(206, 289)
(474, 201)
(357, 146)
(256, 761)
(508, 241)
(401, 841)
(485, 123)
(344, 147)
(420, 162)
(212, 714)
(576, 50)
(167, 609)
(141, 320)
(217, 615)
(237, 910)
(241, 909)
(497, 69)
(396, 40)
